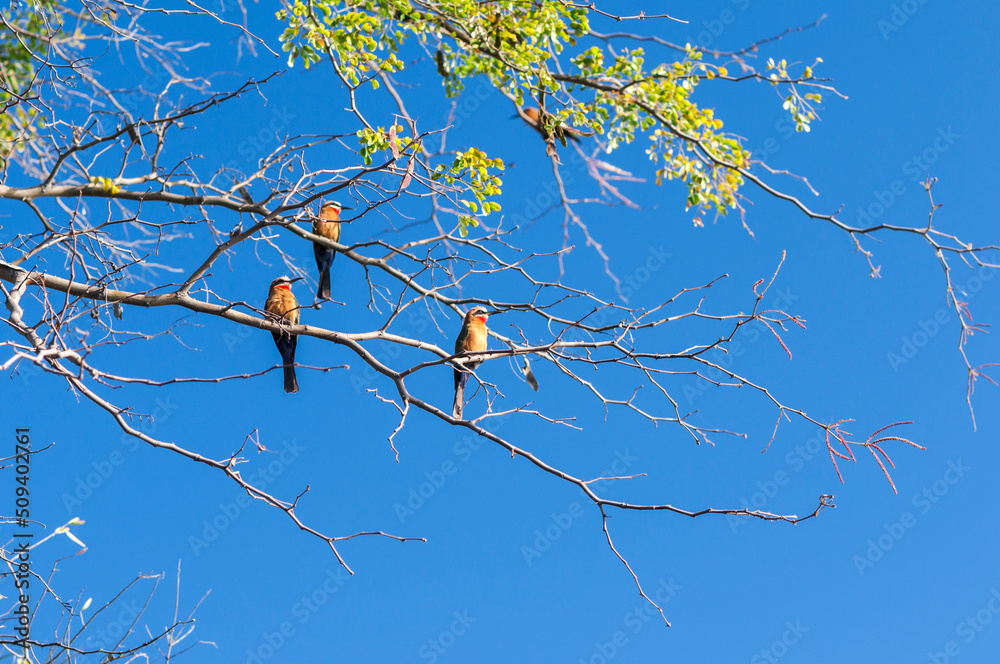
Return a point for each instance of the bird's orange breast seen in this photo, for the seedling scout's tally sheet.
(328, 229)
(281, 302)
(477, 337)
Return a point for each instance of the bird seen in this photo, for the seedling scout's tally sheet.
(282, 305)
(245, 194)
(326, 225)
(562, 131)
(471, 339)
(529, 375)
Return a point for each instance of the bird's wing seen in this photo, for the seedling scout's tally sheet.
(460, 341)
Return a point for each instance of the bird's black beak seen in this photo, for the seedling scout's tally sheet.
(516, 115)
(494, 312)
(292, 281)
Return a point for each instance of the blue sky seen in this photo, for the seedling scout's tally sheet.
(883, 577)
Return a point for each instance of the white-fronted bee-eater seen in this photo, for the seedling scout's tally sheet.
(284, 308)
(326, 225)
(471, 339)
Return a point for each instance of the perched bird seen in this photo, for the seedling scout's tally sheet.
(134, 135)
(326, 225)
(471, 339)
(529, 375)
(245, 195)
(562, 132)
(282, 305)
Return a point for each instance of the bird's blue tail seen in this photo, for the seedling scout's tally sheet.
(324, 259)
(461, 378)
(286, 347)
